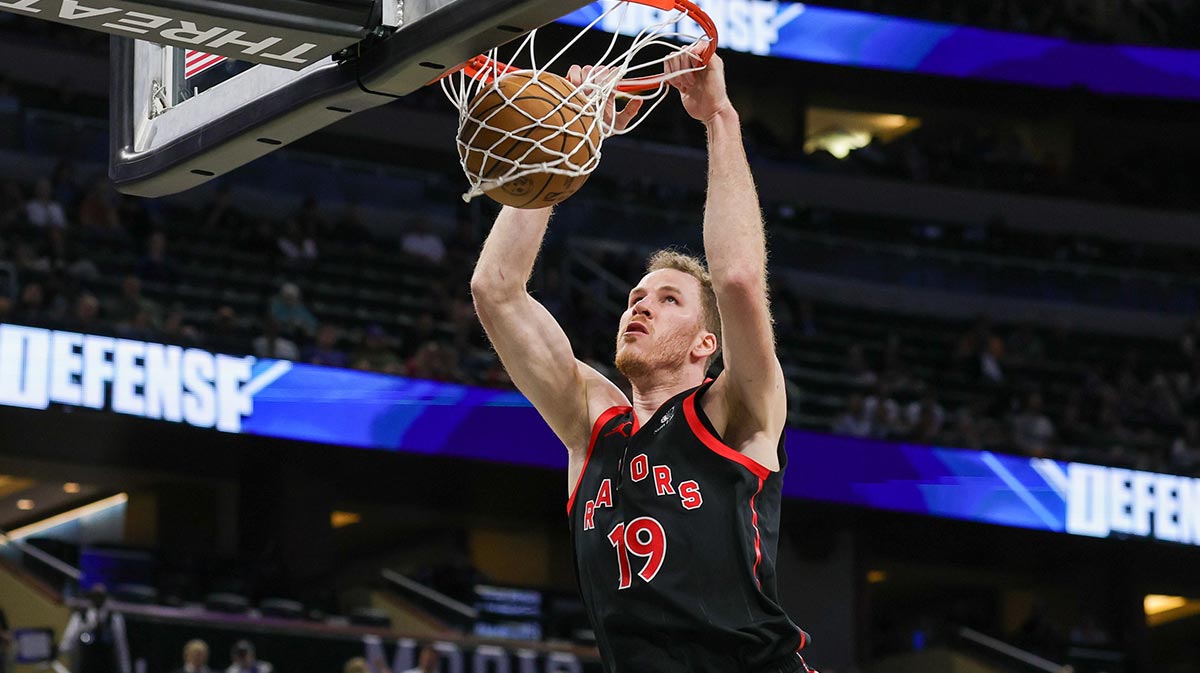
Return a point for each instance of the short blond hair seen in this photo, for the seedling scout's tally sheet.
(670, 258)
(356, 665)
(195, 645)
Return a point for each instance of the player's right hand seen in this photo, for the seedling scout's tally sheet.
(703, 91)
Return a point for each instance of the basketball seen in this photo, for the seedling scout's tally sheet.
(519, 123)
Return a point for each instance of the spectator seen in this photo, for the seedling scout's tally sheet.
(195, 658)
(1073, 430)
(13, 210)
(324, 349)
(311, 220)
(434, 361)
(896, 373)
(64, 256)
(375, 355)
(296, 245)
(131, 302)
(1189, 343)
(290, 313)
(880, 405)
(139, 327)
(428, 662)
(1032, 431)
(64, 184)
(981, 352)
(176, 331)
(423, 329)
(42, 210)
(5, 641)
(858, 370)
(86, 316)
(272, 344)
(155, 266)
(925, 417)
(356, 665)
(223, 335)
(245, 660)
(884, 423)
(28, 259)
(854, 421)
(95, 635)
(7, 309)
(98, 216)
(1185, 450)
(31, 307)
(421, 241)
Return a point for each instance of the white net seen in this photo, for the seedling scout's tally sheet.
(517, 119)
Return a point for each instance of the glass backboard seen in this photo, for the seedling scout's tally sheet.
(186, 111)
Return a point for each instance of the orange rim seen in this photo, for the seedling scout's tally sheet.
(488, 70)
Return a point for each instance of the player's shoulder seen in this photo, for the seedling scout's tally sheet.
(751, 431)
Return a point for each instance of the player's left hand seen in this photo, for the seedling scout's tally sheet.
(617, 121)
(703, 92)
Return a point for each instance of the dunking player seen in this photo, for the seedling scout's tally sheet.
(674, 501)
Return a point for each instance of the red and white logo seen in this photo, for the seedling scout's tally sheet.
(196, 62)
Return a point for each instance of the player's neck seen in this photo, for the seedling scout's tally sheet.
(651, 393)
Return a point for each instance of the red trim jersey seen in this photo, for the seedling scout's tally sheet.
(675, 536)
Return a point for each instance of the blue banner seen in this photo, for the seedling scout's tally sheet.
(274, 398)
(861, 40)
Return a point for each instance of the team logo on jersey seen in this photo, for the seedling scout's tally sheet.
(667, 418)
(624, 429)
(664, 484)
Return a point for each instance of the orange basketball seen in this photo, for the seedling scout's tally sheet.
(514, 124)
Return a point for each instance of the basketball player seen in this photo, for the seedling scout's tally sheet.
(674, 499)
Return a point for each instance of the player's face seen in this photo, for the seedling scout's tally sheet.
(662, 324)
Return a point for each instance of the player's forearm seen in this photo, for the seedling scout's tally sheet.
(734, 242)
(509, 253)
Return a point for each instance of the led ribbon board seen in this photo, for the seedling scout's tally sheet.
(273, 398)
(858, 39)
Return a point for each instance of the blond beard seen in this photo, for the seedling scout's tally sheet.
(670, 354)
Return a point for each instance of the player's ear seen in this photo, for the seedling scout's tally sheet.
(706, 347)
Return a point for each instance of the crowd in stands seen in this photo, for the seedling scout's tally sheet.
(955, 149)
(1160, 22)
(88, 259)
(1126, 412)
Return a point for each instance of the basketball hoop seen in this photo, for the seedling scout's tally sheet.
(564, 139)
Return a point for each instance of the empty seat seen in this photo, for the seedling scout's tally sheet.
(227, 603)
(370, 617)
(282, 608)
(140, 594)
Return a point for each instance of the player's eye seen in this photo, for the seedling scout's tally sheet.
(671, 299)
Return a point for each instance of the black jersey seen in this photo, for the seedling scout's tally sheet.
(675, 536)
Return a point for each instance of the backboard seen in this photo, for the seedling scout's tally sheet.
(207, 86)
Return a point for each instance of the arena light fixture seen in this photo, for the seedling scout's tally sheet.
(67, 517)
(339, 519)
(1156, 604)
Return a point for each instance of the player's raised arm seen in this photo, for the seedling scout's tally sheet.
(752, 385)
(531, 344)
